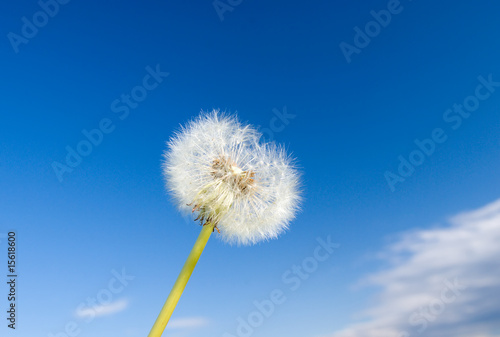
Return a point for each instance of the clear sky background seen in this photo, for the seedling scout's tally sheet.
(349, 121)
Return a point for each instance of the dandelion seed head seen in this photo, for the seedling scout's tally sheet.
(217, 167)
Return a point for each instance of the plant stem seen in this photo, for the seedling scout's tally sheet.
(180, 283)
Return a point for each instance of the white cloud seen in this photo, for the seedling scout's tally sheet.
(102, 310)
(187, 323)
(442, 282)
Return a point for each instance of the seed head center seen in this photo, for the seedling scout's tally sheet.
(224, 169)
(216, 198)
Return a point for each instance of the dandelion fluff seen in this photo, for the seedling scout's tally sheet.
(217, 167)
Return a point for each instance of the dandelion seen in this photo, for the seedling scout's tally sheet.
(236, 184)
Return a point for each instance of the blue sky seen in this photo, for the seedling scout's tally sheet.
(353, 120)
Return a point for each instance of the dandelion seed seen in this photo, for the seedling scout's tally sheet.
(217, 167)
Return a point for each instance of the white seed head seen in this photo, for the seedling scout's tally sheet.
(217, 167)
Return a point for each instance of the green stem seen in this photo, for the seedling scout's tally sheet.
(180, 283)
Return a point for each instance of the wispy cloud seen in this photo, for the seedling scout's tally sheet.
(104, 309)
(188, 323)
(442, 282)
